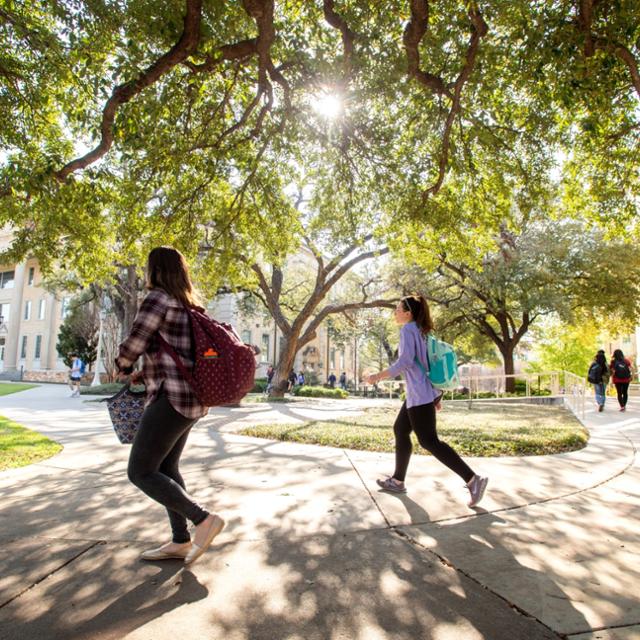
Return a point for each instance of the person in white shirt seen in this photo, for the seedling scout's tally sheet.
(75, 374)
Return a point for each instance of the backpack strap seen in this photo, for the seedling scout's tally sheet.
(169, 350)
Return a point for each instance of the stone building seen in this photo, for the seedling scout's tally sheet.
(30, 319)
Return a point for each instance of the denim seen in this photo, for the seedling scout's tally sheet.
(601, 393)
(422, 420)
(154, 460)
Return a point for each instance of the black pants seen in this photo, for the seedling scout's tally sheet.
(623, 393)
(153, 464)
(422, 420)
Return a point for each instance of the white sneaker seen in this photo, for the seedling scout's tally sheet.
(477, 488)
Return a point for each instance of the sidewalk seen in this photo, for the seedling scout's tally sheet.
(312, 549)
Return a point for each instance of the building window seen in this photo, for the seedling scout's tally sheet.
(27, 310)
(7, 279)
(41, 309)
(626, 340)
(4, 312)
(23, 349)
(246, 336)
(64, 308)
(36, 355)
(341, 360)
(332, 359)
(264, 354)
(32, 273)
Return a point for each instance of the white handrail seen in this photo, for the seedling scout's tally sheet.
(564, 384)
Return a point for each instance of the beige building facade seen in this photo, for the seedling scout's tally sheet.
(30, 318)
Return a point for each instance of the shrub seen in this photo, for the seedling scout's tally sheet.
(319, 392)
(109, 389)
(259, 385)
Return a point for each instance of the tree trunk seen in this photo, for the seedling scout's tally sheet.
(507, 356)
(280, 381)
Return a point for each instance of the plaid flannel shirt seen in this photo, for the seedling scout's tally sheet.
(162, 313)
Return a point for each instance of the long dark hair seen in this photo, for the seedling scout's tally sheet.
(618, 355)
(601, 359)
(167, 269)
(420, 312)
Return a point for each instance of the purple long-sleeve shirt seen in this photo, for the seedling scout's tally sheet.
(412, 344)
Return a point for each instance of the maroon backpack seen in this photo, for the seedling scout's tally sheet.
(224, 366)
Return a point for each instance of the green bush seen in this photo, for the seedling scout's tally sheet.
(109, 389)
(319, 392)
(259, 385)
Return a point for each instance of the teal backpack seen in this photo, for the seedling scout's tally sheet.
(443, 364)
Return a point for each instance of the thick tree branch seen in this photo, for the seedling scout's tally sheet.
(348, 36)
(331, 309)
(123, 93)
(479, 30)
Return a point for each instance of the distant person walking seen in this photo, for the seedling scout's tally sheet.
(418, 412)
(621, 371)
(598, 376)
(293, 380)
(343, 380)
(301, 378)
(172, 407)
(75, 374)
(332, 380)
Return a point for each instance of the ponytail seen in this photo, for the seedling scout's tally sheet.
(420, 312)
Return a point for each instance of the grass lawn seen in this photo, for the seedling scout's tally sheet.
(20, 446)
(487, 429)
(13, 387)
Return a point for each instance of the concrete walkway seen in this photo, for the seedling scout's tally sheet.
(312, 549)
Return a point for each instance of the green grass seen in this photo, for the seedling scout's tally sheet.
(20, 446)
(13, 387)
(487, 429)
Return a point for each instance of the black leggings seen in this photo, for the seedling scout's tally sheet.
(422, 420)
(623, 393)
(153, 464)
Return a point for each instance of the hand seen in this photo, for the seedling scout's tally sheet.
(122, 377)
(137, 377)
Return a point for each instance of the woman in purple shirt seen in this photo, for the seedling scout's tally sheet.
(418, 412)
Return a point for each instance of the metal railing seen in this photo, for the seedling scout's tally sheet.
(564, 384)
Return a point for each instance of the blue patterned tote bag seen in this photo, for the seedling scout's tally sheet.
(125, 410)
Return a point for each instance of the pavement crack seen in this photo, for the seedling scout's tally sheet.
(364, 484)
(47, 575)
(447, 563)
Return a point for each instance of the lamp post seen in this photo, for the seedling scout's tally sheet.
(96, 376)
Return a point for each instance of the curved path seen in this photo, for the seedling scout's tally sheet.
(312, 548)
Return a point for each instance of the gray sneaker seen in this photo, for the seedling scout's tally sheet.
(393, 485)
(476, 488)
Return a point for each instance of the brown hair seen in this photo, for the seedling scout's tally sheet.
(167, 269)
(419, 311)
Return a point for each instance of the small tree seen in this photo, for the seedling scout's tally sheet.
(79, 331)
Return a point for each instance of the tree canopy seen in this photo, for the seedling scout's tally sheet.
(128, 124)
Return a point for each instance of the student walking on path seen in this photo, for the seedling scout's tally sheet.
(598, 376)
(621, 372)
(172, 408)
(418, 412)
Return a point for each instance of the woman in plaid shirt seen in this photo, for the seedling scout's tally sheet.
(172, 407)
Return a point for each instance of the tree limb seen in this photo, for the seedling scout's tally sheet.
(123, 93)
